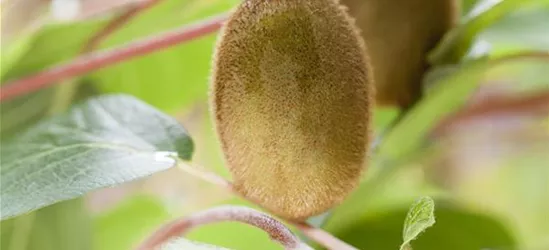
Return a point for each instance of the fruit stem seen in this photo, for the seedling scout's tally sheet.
(316, 234)
(276, 230)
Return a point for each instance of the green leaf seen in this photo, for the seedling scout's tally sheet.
(420, 217)
(54, 43)
(49, 45)
(103, 142)
(466, 6)
(22, 112)
(129, 223)
(184, 244)
(63, 226)
(523, 29)
(397, 153)
(457, 43)
(449, 94)
(446, 96)
(12, 53)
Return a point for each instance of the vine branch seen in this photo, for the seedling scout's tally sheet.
(94, 61)
(117, 23)
(495, 106)
(276, 230)
(318, 235)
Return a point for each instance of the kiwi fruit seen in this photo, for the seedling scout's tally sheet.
(399, 35)
(291, 97)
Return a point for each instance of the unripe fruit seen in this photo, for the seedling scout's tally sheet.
(291, 97)
(399, 34)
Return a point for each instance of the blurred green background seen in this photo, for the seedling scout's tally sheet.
(488, 174)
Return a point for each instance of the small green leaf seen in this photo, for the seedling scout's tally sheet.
(420, 217)
(103, 142)
(184, 244)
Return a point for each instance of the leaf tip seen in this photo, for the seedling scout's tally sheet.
(420, 217)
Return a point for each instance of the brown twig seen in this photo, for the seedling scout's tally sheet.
(316, 234)
(117, 23)
(94, 61)
(277, 231)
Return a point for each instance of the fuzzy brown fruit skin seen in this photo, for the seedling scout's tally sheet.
(399, 34)
(291, 99)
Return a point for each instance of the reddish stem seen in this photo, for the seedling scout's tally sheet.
(318, 235)
(117, 23)
(276, 230)
(535, 104)
(94, 61)
(322, 237)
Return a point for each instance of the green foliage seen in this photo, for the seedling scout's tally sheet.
(52, 44)
(100, 143)
(523, 29)
(391, 180)
(457, 43)
(48, 165)
(141, 213)
(21, 113)
(456, 229)
(420, 217)
(446, 97)
(63, 226)
(182, 77)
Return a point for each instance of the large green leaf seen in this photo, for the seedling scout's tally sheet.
(103, 142)
(129, 223)
(63, 226)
